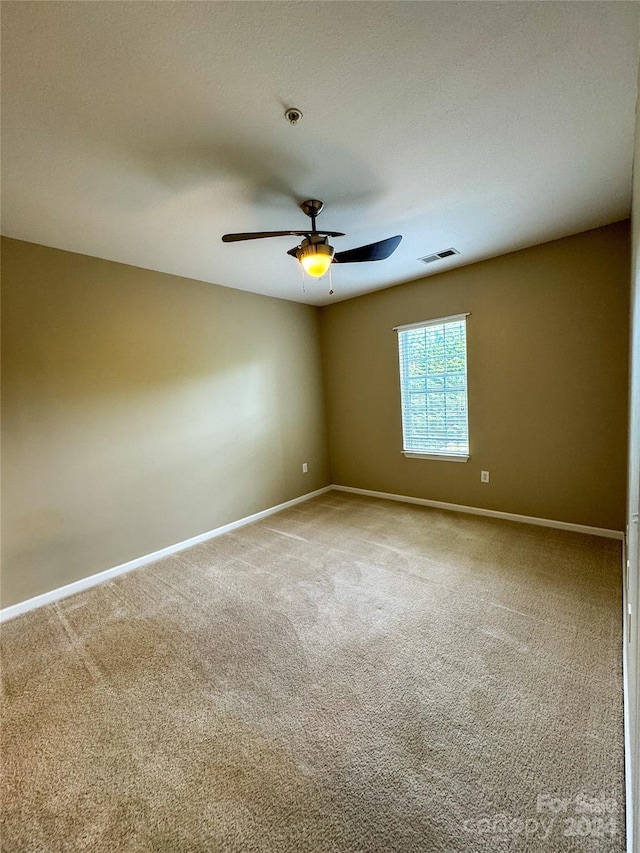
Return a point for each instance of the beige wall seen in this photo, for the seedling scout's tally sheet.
(547, 365)
(140, 409)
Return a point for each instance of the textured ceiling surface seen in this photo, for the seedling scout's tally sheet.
(141, 132)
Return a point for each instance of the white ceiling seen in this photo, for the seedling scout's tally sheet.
(142, 131)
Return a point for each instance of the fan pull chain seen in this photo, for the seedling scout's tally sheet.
(330, 281)
(302, 274)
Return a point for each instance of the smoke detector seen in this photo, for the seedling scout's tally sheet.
(293, 115)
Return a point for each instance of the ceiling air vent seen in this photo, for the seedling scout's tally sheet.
(439, 256)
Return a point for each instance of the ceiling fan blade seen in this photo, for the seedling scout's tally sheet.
(258, 235)
(371, 252)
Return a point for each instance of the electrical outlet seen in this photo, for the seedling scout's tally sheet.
(305, 467)
(484, 476)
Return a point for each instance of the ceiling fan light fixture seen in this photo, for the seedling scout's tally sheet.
(316, 258)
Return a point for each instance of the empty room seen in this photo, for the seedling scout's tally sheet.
(320, 427)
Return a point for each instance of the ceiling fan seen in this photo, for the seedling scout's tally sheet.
(314, 252)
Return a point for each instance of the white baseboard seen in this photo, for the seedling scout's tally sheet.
(93, 580)
(86, 583)
(491, 513)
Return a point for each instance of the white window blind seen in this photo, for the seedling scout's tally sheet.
(433, 387)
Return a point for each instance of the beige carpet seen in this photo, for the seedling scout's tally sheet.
(349, 675)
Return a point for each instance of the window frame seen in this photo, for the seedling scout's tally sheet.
(443, 456)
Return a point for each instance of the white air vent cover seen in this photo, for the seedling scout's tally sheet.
(439, 256)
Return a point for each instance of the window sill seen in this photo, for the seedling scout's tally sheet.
(443, 457)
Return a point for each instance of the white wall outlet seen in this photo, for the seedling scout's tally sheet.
(305, 467)
(484, 476)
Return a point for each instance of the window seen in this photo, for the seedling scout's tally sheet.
(433, 388)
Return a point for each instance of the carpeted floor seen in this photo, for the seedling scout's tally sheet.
(349, 675)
